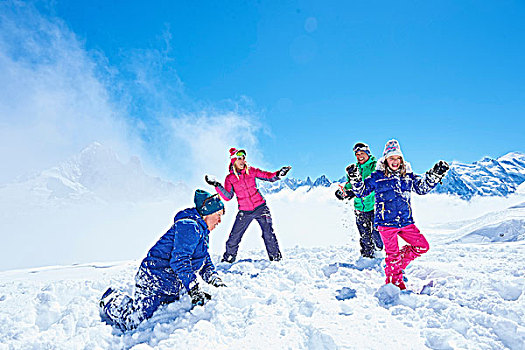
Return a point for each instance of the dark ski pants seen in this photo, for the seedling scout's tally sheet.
(370, 237)
(127, 313)
(242, 221)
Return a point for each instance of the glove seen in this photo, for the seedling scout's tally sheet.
(216, 281)
(283, 171)
(198, 297)
(211, 180)
(340, 194)
(353, 174)
(440, 168)
(344, 194)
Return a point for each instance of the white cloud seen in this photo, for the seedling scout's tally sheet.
(53, 103)
(56, 98)
(200, 143)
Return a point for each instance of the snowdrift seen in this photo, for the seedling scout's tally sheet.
(316, 298)
(507, 231)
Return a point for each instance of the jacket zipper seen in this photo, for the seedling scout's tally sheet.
(246, 187)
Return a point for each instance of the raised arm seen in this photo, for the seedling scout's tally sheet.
(364, 188)
(359, 187)
(226, 191)
(424, 184)
(265, 175)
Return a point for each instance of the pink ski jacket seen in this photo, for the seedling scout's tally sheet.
(244, 186)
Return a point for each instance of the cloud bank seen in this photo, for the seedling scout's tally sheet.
(57, 97)
(52, 101)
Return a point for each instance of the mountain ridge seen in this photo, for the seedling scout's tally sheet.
(97, 174)
(487, 177)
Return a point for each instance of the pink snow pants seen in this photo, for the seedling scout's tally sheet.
(396, 260)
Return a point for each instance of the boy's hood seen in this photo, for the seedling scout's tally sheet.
(192, 214)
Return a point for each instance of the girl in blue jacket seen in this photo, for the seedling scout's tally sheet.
(393, 181)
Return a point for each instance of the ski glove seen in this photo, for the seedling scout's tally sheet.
(198, 297)
(211, 180)
(283, 171)
(440, 168)
(353, 174)
(342, 194)
(216, 281)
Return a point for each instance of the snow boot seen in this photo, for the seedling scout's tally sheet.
(107, 298)
(396, 280)
(229, 258)
(113, 305)
(400, 284)
(399, 281)
(367, 254)
(276, 257)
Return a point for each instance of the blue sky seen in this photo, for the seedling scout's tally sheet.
(295, 82)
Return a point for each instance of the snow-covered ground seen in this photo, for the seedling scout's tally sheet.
(475, 262)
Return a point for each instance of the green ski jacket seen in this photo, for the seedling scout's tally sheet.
(367, 203)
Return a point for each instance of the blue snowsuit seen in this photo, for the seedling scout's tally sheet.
(165, 273)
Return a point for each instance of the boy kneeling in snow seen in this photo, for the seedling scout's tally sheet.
(169, 268)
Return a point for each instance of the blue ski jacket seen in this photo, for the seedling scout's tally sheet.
(392, 194)
(180, 253)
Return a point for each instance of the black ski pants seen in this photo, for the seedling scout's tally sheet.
(262, 215)
(370, 237)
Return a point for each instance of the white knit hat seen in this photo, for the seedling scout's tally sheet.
(392, 148)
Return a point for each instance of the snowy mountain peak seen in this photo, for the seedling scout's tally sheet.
(94, 174)
(511, 156)
(92, 148)
(511, 159)
(486, 177)
(293, 184)
(322, 181)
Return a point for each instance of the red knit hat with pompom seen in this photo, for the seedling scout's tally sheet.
(234, 151)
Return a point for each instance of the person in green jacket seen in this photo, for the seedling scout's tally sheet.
(364, 207)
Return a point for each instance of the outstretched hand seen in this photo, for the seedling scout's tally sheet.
(211, 180)
(353, 173)
(343, 194)
(340, 194)
(283, 171)
(437, 173)
(440, 168)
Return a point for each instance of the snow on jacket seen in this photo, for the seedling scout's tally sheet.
(367, 203)
(392, 194)
(244, 186)
(181, 252)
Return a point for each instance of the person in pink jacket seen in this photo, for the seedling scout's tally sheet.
(241, 182)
